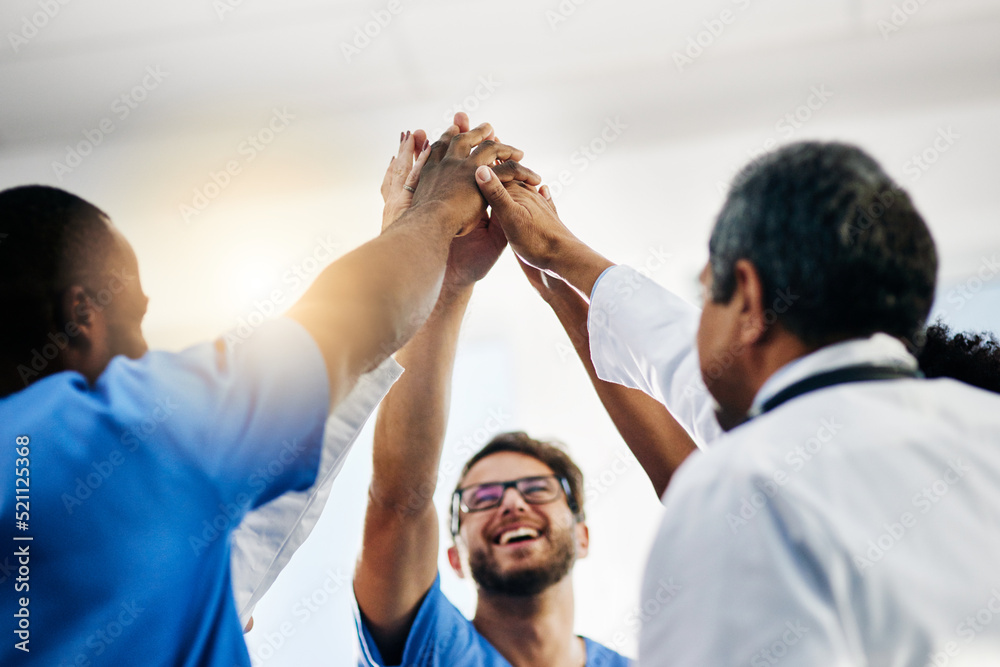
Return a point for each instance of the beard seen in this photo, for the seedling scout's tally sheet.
(524, 582)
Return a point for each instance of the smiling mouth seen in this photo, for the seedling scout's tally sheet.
(522, 534)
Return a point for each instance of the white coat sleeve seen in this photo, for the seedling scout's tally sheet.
(643, 336)
(268, 536)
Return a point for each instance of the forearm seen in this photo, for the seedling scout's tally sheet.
(367, 304)
(577, 264)
(398, 560)
(410, 428)
(658, 442)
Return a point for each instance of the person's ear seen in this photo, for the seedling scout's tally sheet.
(455, 560)
(750, 294)
(86, 349)
(582, 540)
(80, 316)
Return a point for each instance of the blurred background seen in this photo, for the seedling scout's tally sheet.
(240, 144)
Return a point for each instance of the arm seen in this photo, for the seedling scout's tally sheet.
(642, 335)
(658, 442)
(398, 561)
(367, 304)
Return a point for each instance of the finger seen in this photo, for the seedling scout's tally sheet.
(399, 166)
(406, 145)
(547, 195)
(462, 121)
(490, 151)
(511, 170)
(414, 177)
(440, 147)
(419, 137)
(494, 192)
(405, 154)
(464, 142)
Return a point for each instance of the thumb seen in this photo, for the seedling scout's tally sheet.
(493, 191)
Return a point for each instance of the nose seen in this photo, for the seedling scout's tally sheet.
(512, 500)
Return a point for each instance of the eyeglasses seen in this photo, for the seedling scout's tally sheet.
(534, 490)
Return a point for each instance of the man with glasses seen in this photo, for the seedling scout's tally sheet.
(517, 514)
(518, 527)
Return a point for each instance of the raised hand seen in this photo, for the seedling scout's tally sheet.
(534, 230)
(473, 255)
(447, 177)
(527, 215)
(548, 286)
(403, 173)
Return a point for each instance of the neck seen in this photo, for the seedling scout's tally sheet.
(20, 374)
(751, 370)
(765, 361)
(532, 631)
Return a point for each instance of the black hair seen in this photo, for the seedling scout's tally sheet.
(824, 222)
(49, 240)
(972, 358)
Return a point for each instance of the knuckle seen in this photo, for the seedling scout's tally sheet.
(508, 168)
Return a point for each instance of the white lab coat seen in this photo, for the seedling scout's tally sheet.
(267, 537)
(854, 525)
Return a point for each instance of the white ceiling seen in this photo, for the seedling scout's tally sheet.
(604, 55)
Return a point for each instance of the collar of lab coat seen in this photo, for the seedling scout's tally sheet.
(878, 350)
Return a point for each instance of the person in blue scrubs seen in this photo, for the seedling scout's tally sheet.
(518, 520)
(125, 470)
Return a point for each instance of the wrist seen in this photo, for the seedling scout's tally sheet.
(454, 296)
(562, 251)
(443, 216)
(579, 265)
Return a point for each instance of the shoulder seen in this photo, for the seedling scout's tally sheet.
(274, 367)
(599, 655)
(439, 637)
(278, 347)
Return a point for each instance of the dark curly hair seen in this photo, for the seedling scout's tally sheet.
(972, 358)
(825, 222)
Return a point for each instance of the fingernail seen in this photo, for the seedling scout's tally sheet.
(545, 192)
(484, 174)
(427, 145)
(407, 134)
(401, 136)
